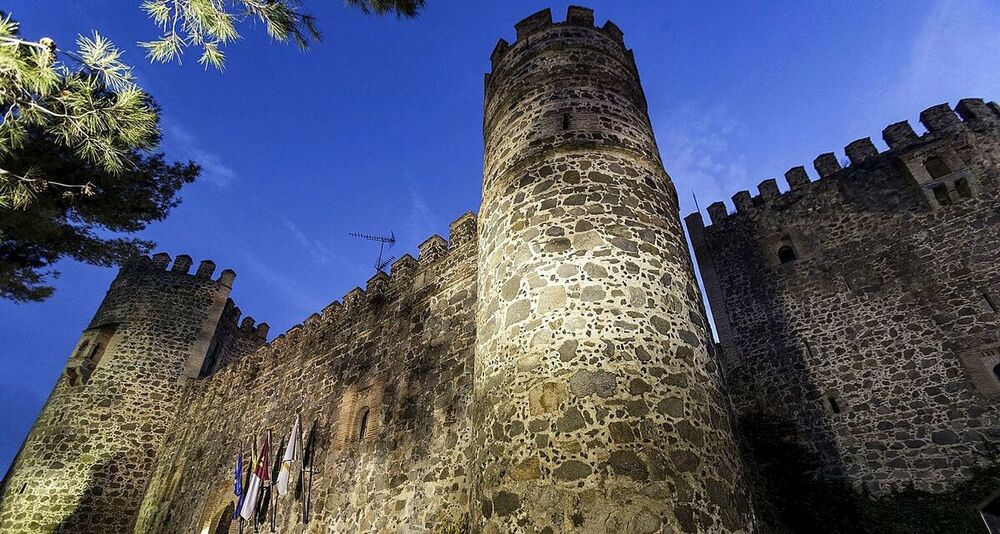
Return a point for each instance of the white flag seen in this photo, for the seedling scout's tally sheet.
(291, 452)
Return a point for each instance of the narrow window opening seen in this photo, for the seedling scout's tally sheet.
(209, 364)
(96, 353)
(89, 356)
(833, 404)
(810, 350)
(363, 425)
(936, 167)
(23, 488)
(996, 372)
(962, 186)
(74, 376)
(941, 194)
(786, 254)
(565, 121)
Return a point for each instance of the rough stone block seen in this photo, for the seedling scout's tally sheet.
(899, 135)
(768, 189)
(797, 178)
(939, 118)
(860, 150)
(743, 201)
(826, 164)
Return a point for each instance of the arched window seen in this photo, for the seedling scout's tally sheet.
(996, 371)
(786, 254)
(224, 522)
(363, 425)
(936, 167)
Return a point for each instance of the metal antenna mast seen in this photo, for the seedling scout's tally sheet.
(385, 243)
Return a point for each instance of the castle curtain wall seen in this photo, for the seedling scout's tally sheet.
(871, 342)
(400, 351)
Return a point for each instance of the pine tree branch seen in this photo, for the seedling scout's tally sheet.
(43, 182)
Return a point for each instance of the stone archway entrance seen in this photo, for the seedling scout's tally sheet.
(224, 521)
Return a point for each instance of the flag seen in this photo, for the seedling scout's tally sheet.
(291, 453)
(238, 481)
(261, 474)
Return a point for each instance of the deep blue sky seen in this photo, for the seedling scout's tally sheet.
(378, 129)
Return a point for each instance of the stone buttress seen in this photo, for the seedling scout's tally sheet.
(85, 465)
(597, 403)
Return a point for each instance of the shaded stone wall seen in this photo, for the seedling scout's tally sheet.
(598, 406)
(875, 341)
(85, 464)
(401, 350)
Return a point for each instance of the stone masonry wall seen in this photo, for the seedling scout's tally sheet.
(875, 340)
(598, 406)
(401, 350)
(85, 464)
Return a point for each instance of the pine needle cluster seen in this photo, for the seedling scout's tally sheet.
(84, 99)
(209, 25)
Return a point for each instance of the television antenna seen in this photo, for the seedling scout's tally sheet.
(385, 244)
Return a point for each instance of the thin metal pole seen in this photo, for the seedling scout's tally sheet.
(312, 470)
(274, 492)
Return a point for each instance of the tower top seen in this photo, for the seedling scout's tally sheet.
(542, 20)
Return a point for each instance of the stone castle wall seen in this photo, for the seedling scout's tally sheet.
(598, 407)
(875, 340)
(88, 458)
(401, 351)
(549, 368)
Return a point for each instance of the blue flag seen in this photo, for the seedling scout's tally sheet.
(238, 483)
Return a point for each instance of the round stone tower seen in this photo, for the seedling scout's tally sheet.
(597, 403)
(85, 464)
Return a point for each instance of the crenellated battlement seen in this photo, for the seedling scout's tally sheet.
(231, 315)
(939, 121)
(182, 265)
(542, 20)
(432, 251)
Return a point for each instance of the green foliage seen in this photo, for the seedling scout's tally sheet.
(86, 102)
(400, 8)
(211, 24)
(82, 227)
(77, 136)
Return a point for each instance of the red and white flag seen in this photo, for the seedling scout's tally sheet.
(260, 478)
(291, 454)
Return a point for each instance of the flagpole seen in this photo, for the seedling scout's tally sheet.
(239, 486)
(274, 487)
(312, 470)
(302, 470)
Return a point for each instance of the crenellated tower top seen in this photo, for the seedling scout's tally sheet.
(562, 85)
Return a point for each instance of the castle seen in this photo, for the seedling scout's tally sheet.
(549, 367)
